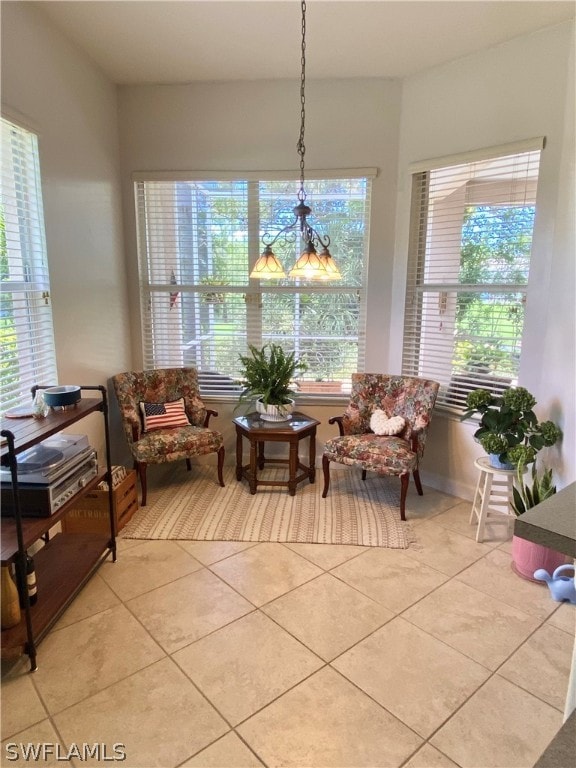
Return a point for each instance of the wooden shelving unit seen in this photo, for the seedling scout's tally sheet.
(66, 561)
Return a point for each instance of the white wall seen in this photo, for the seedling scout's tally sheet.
(253, 126)
(53, 89)
(518, 90)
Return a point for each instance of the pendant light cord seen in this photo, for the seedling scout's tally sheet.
(310, 265)
(301, 146)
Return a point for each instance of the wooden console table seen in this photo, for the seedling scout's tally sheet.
(258, 432)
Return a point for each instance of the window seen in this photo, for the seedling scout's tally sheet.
(26, 332)
(198, 240)
(468, 268)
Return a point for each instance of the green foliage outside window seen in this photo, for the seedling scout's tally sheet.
(495, 250)
(9, 371)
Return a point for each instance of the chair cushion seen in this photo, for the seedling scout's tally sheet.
(164, 445)
(164, 415)
(381, 454)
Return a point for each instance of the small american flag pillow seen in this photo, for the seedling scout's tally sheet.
(164, 415)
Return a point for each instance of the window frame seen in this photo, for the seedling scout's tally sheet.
(420, 287)
(26, 282)
(253, 290)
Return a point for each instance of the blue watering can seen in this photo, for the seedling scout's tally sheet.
(561, 587)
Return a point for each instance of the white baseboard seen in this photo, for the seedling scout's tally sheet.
(448, 485)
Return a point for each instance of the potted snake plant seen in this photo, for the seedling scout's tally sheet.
(527, 556)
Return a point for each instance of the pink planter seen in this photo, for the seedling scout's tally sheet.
(528, 557)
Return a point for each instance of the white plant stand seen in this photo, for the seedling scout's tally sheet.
(492, 500)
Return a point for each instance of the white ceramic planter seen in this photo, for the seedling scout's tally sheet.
(275, 412)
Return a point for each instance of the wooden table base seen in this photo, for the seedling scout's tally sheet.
(259, 432)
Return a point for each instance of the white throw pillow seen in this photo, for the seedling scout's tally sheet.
(380, 424)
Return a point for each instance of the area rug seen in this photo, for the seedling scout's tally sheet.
(192, 506)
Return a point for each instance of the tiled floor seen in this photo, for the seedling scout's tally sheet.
(241, 654)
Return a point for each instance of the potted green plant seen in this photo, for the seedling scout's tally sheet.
(527, 556)
(267, 376)
(509, 430)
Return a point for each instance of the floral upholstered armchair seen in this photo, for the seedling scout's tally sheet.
(164, 419)
(400, 408)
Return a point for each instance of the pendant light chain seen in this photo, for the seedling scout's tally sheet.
(301, 147)
(311, 265)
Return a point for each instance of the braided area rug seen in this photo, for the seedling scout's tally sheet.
(192, 506)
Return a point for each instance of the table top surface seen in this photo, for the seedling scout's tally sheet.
(252, 423)
(552, 523)
(29, 431)
(483, 463)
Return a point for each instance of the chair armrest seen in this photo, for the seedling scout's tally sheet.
(209, 413)
(338, 420)
(415, 436)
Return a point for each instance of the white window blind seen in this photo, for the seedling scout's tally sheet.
(198, 240)
(26, 331)
(468, 269)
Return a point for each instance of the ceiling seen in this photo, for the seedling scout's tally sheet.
(162, 41)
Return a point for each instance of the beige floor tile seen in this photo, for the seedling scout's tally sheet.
(123, 544)
(208, 552)
(429, 757)
(21, 706)
(501, 726)
(327, 615)
(243, 667)
(564, 617)
(157, 714)
(37, 745)
(147, 566)
(228, 752)
(425, 507)
(390, 577)
(542, 665)
(265, 572)
(327, 557)
(85, 657)
(420, 680)
(100, 670)
(457, 519)
(494, 576)
(96, 596)
(445, 550)
(326, 721)
(485, 629)
(14, 666)
(185, 610)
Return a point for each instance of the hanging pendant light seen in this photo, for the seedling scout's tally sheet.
(310, 264)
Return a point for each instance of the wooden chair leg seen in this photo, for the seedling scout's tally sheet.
(363, 474)
(221, 453)
(417, 483)
(404, 479)
(326, 471)
(188, 465)
(140, 467)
